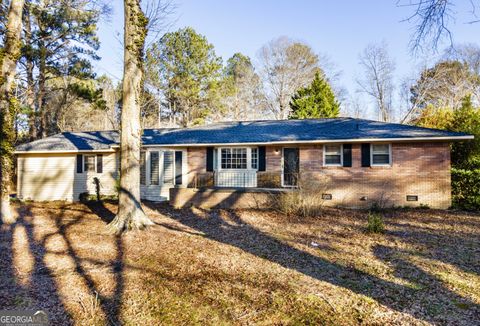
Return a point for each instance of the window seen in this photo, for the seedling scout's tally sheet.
(333, 155)
(234, 158)
(380, 154)
(89, 163)
(154, 168)
(168, 167)
(254, 158)
(143, 173)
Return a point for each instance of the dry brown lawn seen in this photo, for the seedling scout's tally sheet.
(241, 267)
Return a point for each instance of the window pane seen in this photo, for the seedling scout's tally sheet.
(89, 163)
(234, 158)
(226, 158)
(381, 159)
(333, 159)
(380, 149)
(254, 158)
(168, 167)
(142, 168)
(333, 149)
(215, 159)
(154, 165)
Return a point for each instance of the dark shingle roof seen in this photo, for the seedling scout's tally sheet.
(266, 131)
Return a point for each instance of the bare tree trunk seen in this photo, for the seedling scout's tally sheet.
(130, 215)
(30, 92)
(41, 91)
(8, 61)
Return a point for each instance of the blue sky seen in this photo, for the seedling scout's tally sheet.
(339, 29)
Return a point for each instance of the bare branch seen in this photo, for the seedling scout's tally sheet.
(159, 14)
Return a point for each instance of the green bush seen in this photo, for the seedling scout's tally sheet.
(466, 188)
(375, 223)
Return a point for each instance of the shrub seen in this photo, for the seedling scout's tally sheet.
(375, 223)
(304, 201)
(84, 197)
(466, 188)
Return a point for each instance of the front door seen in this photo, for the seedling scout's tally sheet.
(290, 167)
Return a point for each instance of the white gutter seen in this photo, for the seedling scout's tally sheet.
(283, 142)
(107, 150)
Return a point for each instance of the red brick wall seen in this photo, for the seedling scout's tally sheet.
(421, 169)
(273, 158)
(197, 162)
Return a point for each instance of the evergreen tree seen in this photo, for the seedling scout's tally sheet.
(466, 119)
(60, 40)
(245, 101)
(184, 65)
(314, 101)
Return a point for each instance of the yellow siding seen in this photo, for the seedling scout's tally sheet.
(53, 177)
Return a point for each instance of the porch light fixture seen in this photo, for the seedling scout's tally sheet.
(412, 198)
(364, 198)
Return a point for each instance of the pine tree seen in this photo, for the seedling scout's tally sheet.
(314, 101)
(184, 65)
(59, 43)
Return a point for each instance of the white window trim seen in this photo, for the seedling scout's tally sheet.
(251, 156)
(389, 154)
(325, 154)
(84, 160)
(249, 159)
(161, 176)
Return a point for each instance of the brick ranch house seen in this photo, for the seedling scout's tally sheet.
(234, 164)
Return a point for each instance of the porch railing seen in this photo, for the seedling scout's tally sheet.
(240, 179)
(244, 179)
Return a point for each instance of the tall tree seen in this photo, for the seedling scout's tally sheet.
(245, 101)
(130, 215)
(286, 65)
(466, 119)
(59, 44)
(9, 55)
(378, 77)
(446, 84)
(183, 64)
(316, 100)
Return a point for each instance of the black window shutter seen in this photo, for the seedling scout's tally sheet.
(79, 163)
(347, 155)
(178, 167)
(261, 159)
(365, 155)
(209, 159)
(99, 163)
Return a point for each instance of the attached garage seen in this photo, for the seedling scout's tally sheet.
(64, 176)
(46, 176)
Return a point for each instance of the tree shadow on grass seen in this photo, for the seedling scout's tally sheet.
(41, 291)
(402, 298)
(43, 287)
